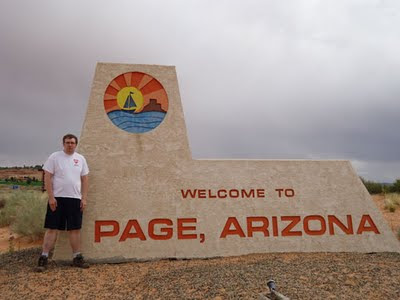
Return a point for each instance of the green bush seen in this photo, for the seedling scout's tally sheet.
(395, 187)
(24, 212)
(372, 187)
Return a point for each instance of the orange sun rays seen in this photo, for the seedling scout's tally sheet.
(148, 86)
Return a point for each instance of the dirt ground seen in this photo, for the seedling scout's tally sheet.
(392, 218)
(11, 241)
(297, 275)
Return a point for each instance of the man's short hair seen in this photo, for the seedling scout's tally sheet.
(70, 136)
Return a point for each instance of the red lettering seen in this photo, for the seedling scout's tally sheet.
(261, 228)
(137, 234)
(314, 218)
(289, 193)
(260, 193)
(249, 194)
(334, 220)
(187, 193)
(210, 195)
(221, 195)
(275, 226)
(231, 193)
(181, 228)
(362, 227)
(202, 194)
(98, 233)
(237, 230)
(294, 220)
(168, 232)
(234, 193)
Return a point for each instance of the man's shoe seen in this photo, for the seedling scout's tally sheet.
(42, 264)
(79, 262)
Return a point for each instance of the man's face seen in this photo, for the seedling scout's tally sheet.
(69, 145)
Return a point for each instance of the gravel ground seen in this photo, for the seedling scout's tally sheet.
(297, 275)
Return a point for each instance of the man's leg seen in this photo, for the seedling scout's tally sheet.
(49, 240)
(74, 224)
(75, 240)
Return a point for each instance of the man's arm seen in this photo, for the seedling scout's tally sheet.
(48, 183)
(84, 191)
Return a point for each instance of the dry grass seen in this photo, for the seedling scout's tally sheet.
(24, 211)
(2, 202)
(392, 202)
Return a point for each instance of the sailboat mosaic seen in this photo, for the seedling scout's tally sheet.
(135, 102)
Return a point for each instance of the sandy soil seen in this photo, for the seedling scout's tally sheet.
(11, 241)
(392, 218)
(297, 275)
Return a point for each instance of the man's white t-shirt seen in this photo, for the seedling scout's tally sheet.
(67, 171)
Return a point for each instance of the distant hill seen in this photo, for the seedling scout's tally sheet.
(20, 173)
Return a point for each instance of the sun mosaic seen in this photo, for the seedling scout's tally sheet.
(135, 102)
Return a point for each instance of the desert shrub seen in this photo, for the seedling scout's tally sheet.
(8, 212)
(395, 187)
(24, 212)
(2, 202)
(372, 187)
(29, 217)
(392, 202)
(389, 205)
(395, 198)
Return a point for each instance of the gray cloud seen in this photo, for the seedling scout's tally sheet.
(276, 79)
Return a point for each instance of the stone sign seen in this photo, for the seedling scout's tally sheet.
(148, 199)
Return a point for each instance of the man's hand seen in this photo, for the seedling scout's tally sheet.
(84, 189)
(52, 203)
(83, 204)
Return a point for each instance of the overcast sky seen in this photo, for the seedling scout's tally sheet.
(258, 79)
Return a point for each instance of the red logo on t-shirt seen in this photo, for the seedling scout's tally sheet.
(76, 162)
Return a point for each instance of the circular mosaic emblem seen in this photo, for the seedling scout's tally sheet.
(135, 102)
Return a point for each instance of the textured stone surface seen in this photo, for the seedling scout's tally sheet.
(140, 177)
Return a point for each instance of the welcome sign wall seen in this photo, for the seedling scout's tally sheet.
(149, 199)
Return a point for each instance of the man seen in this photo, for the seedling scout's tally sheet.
(66, 182)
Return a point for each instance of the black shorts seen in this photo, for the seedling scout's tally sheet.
(67, 215)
